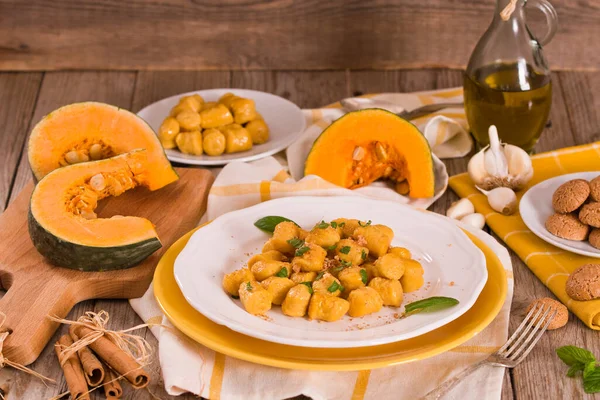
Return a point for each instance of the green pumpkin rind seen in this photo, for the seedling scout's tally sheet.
(87, 258)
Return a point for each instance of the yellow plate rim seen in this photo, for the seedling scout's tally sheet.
(223, 340)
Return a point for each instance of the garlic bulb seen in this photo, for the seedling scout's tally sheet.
(476, 220)
(500, 165)
(460, 209)
(502, 200)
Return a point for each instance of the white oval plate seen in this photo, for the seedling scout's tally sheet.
(536, 206)
(454, 267)
(285, 120)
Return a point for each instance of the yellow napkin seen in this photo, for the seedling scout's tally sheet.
(549, 263)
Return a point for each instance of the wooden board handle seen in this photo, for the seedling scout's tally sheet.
(26, 315)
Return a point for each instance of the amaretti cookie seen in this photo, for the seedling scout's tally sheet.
(584, 283)
(595, 238)
(590, 214)
(567, 226)
(562, 314)
(595, 188)
(570, 196)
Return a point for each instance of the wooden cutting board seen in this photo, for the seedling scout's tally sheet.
(36, 288)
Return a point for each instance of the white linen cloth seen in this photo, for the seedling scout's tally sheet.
(190, 367)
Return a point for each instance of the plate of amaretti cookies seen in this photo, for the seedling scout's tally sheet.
(565, 211)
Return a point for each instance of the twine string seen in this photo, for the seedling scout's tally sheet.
(509, 10)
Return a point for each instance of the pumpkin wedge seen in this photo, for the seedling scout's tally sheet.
(363, 146)
(93, 131)
(63, 225)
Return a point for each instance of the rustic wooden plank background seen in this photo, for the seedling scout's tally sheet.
(27, 97)
(270, 34)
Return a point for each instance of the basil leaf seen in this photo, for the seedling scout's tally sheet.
(345, 250)
(322, 225)
(363, 254)
(302, 250)
(363, 276)
(367, 224)
(283, 273)
(334, 224)
(335, 286)
(235, 297)
(572, 354)
(269, 223)
(248, 286)
(430, 304)
(574, 369)
(345, 263)
(591, 382)
(589, 368)
(319, 275)
(296, 242)
(331, 247)
(309, 286)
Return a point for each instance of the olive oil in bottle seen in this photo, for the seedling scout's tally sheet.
(514, 97)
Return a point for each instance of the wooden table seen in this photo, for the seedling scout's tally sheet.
(27, 96)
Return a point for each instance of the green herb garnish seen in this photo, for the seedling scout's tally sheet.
(579, 359)
(309, 286)
(319, 275)
(269, 223)
(334, 224)
(302, 250)
(322, 225)
(296, 242)
(363, 254)
(335, 286)
(331, 247)
(283, 273)
(367, 224)
(363, 276)
(338, 268)
(248, 286)
(345, 263)
(345, 249)
(342, 224)
(429, 305)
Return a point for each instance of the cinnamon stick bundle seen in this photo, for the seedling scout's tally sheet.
(94, 372)
(116, 358)
(72, 370)
(112, 387)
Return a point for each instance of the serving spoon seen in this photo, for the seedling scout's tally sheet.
(357, 103)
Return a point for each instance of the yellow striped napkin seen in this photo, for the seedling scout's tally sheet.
(549, 263)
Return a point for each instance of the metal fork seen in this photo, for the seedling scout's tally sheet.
(358, 103)
(514, 350)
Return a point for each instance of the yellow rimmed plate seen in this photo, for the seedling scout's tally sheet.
(223, 340)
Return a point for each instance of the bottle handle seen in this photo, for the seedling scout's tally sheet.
(551, 19)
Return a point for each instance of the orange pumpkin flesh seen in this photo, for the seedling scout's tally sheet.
(388, 147)
(95, 131)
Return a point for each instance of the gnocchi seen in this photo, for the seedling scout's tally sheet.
(230, 125)
(342, 267)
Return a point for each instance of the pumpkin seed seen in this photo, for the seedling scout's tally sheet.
(87, 214)
(75, 157)
(380, 151)
(402, 188)
(387, 172)
(97, 182)
(358, 154)
(96, 151)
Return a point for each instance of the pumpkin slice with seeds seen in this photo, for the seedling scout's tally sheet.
(93, 131)
(65, 229)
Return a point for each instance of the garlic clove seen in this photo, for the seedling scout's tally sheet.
(494, 158)
(460, 209)
(476, 168)
(502, 200)
(476, 220)
(520, 167)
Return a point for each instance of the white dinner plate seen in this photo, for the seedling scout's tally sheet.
(536, 206)
(285, 120)
(454, 267)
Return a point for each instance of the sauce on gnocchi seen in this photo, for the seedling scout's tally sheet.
(197, 127)
(341, 267)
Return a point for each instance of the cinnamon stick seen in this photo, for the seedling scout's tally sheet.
(116, 358)
(72, 370)
(112, 387)
(94, 373)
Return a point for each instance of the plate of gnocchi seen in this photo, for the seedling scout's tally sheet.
(217, 126)
(331, 272)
